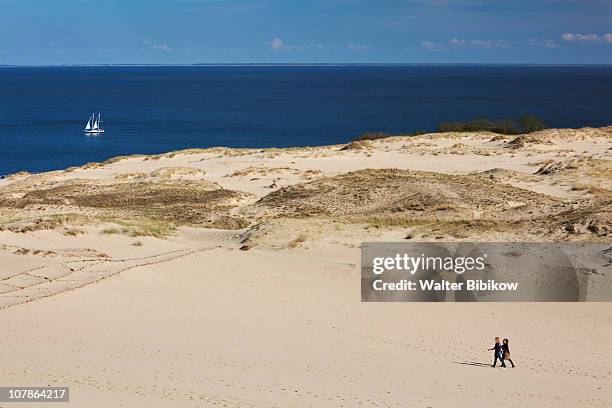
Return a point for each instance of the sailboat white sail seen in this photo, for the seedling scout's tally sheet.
(88, 127)
(94, 125)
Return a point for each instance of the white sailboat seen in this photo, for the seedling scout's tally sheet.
(94, 125)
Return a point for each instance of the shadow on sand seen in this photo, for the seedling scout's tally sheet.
(472, 363)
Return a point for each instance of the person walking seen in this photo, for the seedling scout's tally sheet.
(506, 352)
(497, 353)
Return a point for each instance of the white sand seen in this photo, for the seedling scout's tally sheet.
(192, 321)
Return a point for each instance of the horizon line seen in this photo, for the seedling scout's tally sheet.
(305, 64)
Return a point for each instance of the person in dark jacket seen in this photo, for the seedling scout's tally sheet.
(497, 353)
(506, 352)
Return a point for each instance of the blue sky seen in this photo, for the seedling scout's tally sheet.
(308, 31)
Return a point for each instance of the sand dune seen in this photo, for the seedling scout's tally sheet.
(230, 277)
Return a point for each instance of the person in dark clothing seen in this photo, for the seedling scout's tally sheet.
(506, 352)
(497, 352)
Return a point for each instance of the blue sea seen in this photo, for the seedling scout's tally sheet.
(154, 109)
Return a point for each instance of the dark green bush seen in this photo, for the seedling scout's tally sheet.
(504, 127)
(525, 124)
(522, 125)
(528, 124)
(372, 136)
(451, 127)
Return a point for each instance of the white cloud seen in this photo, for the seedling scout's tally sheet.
(587, 38)
(579, 37)
(430, 45)
(458, 42)
(276, 44)
(542, 42)
(162, 47)
(359, 47)
(156, 46)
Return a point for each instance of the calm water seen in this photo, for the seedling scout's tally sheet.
(157, 109)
